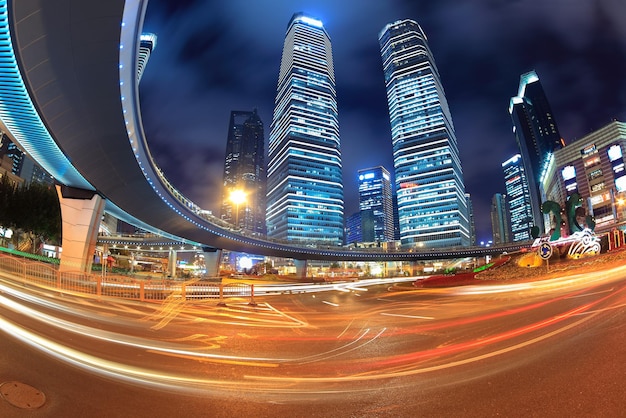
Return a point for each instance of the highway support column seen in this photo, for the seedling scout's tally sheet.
(300, 269)
(212, 257)
(172, 259)
(81, 212)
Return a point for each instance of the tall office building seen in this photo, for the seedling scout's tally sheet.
(375, 196)
(520, 205)
(472, 221)
(432, 207)
(537, 136)
(500, 226)
(244, 172)
(147, 43)
(304, 174)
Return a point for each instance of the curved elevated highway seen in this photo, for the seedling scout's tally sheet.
(69, 98)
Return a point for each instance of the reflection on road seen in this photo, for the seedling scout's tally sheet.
(354, 337)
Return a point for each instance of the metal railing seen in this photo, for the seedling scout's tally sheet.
(146, 289)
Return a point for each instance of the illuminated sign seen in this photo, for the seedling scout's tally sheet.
(620, 184)
(615, 152)
(589, 149)
(568, 172)
(408, 185)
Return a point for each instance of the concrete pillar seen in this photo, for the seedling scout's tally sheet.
(171, 263)
(212, 258)
(300, 269)
(81, 212)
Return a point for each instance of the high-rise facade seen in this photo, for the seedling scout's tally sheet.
(375, 196)
(147, 43)
(594, 167)
(537, 136)
(304, 174)
(432, 207)
(518, 192)
(244, 173)
(500, 226)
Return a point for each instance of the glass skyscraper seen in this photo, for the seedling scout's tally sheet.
(304, 174)
(432, 207)
(375, 196)
(518, 193)
(244, 172)
(500, 225)
(537, 136)
(147, 43)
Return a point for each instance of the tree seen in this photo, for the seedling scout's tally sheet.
(32, 209)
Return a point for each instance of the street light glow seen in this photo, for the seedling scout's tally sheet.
(237, 196)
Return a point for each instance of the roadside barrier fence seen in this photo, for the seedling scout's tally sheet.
(143, 289)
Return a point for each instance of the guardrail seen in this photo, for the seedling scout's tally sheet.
(146, 290)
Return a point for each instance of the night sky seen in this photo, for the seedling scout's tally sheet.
(216, 56)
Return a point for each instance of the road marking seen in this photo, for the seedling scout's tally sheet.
(330, 303)
(589, 294)
(408, 316)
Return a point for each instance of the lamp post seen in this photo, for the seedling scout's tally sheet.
(237, 197)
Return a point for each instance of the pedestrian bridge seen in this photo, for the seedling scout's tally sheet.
(69, 95)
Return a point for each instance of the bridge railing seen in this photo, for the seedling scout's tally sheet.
(48, 276)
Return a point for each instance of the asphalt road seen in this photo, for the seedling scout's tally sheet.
(547, 349)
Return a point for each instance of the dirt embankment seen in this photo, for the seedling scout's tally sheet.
(512, 270)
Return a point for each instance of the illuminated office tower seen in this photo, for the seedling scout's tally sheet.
(244, 173)
(500, 225)
(518, 193)
(304, 174)
(147, 43)
(537, 136)
(375, 196)
(432, 207)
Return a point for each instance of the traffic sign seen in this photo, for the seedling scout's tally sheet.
(545, 250)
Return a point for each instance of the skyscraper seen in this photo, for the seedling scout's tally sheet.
(537, 136)
(432, 207)
(304, 174)
(500, 225)
(518, 192)
(147, 43)
(375, 196)
(244, 172)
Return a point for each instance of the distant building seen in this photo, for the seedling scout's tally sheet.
(432, 207)
(11, 158)
(500, 225)
(304, 173)
(376, 198)
(19, 165)
(593, 167)
(147, 43)
(244, 171)
(353, 229)
(520, 204)
(537, 136)
(470, 213)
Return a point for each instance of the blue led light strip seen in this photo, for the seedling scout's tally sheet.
(22, 120)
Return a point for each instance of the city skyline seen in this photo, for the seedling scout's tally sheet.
(207, 47)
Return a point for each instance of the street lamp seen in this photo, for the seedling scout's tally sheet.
(237, 197)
